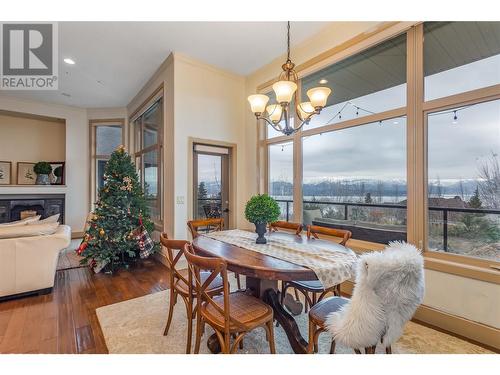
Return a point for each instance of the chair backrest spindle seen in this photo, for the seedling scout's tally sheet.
(211, 225)
(314, 230)
(273, 227)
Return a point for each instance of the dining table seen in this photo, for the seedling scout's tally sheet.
(263, 271)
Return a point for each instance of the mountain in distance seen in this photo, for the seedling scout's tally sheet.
(359, 187)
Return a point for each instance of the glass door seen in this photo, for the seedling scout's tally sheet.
(211, 182)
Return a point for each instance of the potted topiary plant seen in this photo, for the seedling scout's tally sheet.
(261, 209)
(42, 170)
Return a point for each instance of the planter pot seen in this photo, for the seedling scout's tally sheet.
(42, 179)
(261, 229)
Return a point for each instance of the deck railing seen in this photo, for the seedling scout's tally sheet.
(445, 212)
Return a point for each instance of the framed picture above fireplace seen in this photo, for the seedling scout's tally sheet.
(25, 173)
(5, 172)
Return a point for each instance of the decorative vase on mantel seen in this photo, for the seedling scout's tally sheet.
(42, 179)
(261, 229)
(42, 169)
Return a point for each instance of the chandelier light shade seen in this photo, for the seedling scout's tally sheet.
(285, 90)
(258, 102)
(274, 111)
(318, 96)
(305, 109)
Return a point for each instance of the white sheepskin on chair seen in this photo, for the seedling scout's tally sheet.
(389, 288)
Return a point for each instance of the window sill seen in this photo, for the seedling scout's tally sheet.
(488, 274)
(478, 269)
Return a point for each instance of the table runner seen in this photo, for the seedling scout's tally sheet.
(330, 266)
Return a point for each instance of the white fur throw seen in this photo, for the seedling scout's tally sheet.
(389, 288)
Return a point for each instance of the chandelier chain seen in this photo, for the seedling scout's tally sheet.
(288, 40)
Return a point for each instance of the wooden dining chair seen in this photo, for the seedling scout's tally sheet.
(287, 226)
(230, 314)
(209, 225)
(314, 287)
(179, 284)
(318, 317)
(396, 296)
(205, 225)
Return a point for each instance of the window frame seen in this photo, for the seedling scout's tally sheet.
(416, 111)
(157, 97)
(94, 157)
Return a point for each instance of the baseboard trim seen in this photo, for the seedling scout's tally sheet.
(468, 329)
(75, 235)
(479, 333)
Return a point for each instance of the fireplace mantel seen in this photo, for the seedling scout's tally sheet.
(32, 189)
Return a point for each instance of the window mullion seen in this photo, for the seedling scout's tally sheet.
(416, 146)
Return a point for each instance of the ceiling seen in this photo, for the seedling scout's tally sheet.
(115, 59)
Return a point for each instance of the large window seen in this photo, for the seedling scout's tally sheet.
(463, 138)
(460, 56)
(147, 140)
(403, 155)
(106, 136)
(351, 183)
(370, 82)
(280, 177)
(348, 181)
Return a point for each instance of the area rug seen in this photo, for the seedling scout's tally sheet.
(136, 326)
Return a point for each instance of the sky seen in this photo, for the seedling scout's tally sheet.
(209, 168)
(455, 151)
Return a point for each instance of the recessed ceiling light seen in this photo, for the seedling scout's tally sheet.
(396, 122)
(323, 81)
(69, 61)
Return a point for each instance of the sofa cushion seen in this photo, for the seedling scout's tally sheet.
(48, 220)
(28, 230)
(28, 220)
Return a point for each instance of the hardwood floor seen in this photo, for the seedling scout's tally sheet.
(65, 320)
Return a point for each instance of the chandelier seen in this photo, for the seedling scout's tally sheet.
(285, 90)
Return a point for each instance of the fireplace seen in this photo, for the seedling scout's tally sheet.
(15, 207)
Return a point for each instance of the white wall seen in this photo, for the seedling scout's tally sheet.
(210, 105)
(200, 102)
(469, 298)
(77, 156)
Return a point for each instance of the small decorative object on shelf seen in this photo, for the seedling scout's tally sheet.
(25, 173)
(5, 172)
(42, 169)
(57, 176)
(119, 229)
(261, 210)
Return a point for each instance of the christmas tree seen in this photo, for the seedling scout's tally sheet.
(119, 219)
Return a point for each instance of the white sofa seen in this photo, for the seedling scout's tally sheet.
(28, 264)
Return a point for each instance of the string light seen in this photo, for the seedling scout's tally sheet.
(454, 112)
